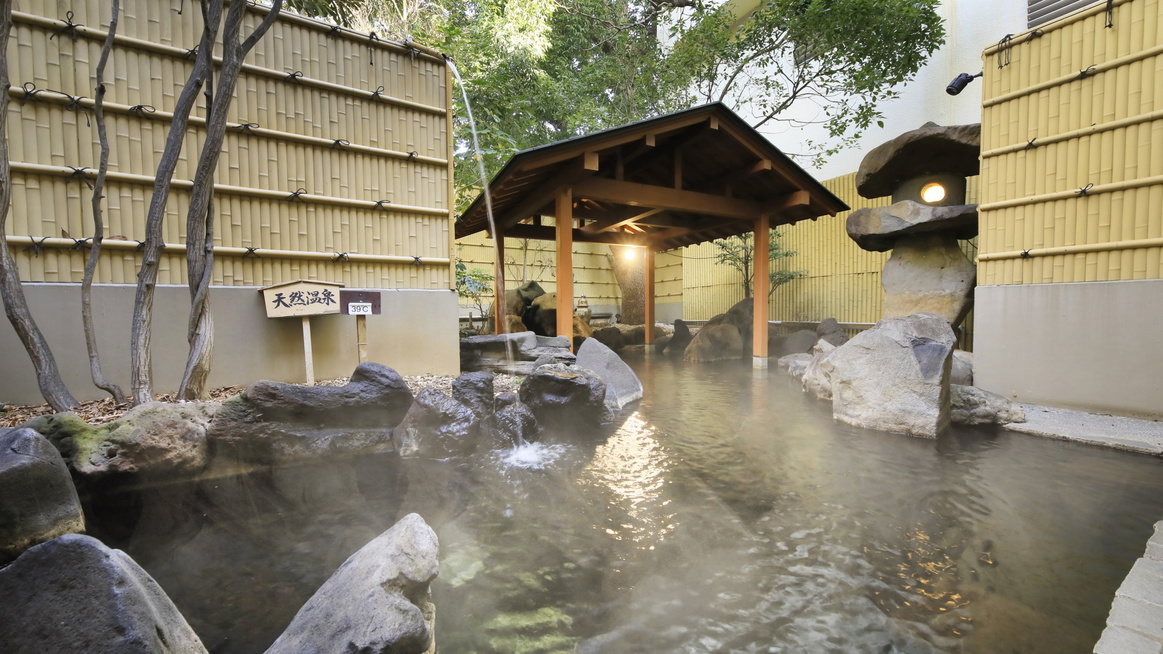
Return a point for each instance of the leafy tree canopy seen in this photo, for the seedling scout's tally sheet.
(538, 71)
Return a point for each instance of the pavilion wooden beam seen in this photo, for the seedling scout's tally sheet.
(564, 233)
(619, 219)
(547, 233)
(762, 282)
(534, 203)
(660, 197)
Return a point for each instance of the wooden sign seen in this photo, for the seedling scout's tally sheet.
(301, 298)
(359, 303)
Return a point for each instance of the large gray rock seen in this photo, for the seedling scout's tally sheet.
(928, 274)
(611, 337)
(971, 405)
(715, 343)
(831, 331)
(795, 364)
(156, 437)
(932, 148)
(622, 385)
(37, 499)
(817, 377)
(436, 427)
(73, 594)
(376, 397)
(513, 425)
(797, 342)
(681, 339)
(895, 376)
(512, 353)
(877, 229)
(476, 391)
(530, 291)
(376, 602)
(240, 432)
(962, 372)
(564, 396)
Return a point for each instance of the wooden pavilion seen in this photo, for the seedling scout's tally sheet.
(663, 183)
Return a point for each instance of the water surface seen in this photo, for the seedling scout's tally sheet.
(726, 512)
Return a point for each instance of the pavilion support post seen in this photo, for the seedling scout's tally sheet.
(564, 222)
(500, 321)
(762, 266)
(649, 296)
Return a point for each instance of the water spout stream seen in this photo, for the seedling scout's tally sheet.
(488, 197)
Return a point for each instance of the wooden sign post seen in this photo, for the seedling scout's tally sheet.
(302, 298)
(360, 304)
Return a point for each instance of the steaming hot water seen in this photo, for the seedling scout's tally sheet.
(724, 513)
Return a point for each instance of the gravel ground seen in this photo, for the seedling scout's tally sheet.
(98, 412)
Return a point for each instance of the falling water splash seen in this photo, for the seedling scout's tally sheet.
(484, 182)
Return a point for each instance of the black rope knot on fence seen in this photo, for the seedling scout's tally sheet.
(1025, 254)
(74, 104)
(1110, 14)
(294, 77)
(1085, 190)
(1085, 72)
(140, 246)
(1003, 50)
(79, 243)
(412, 155)
(295, 196)
(79, 173)
(30, 92)
(334, 30)
(192, 52)
(1033, 35)
(1030, 143)
(69, 27)
(382, 205)
(416, 261)
(246, 127)
(340, 143)
(378, 92)
(339, 256)
(250, 252)
(36, 245)
(142, 109)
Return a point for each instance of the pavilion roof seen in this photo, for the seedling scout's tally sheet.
(666, 182)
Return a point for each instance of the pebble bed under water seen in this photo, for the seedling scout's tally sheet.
(726, 512)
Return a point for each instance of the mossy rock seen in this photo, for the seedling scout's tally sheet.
(544, 631)
(153, 437)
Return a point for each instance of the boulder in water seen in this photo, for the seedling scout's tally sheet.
(37, 499)
(74, 594)
(436, 427)
(377, 601)
(475, 390)
(509, 427)
(622, 385)
(376, 397)
(565, 396)
(894, 376)
(715, 342)
(971, 405)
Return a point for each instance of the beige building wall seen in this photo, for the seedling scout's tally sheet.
(1071, 231)
(413, 335)
(336, 167)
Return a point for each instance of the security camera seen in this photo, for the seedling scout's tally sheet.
(960, 82)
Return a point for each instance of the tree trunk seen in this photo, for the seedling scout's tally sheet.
(99, 379)
(141, 363)
(200, 218)
(631, 279)
(48, 378)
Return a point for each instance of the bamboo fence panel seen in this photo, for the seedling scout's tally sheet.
(341, 173)
(1072, 152)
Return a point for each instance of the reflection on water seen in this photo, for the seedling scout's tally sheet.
(726, 512)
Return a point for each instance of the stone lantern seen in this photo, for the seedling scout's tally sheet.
(924, 171)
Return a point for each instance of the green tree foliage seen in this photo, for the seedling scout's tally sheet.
(739, 253)
(538, 71)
